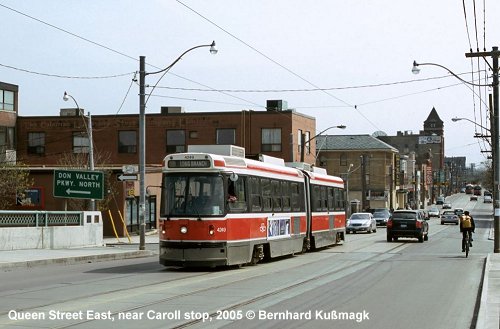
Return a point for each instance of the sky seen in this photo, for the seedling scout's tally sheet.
(344, 62)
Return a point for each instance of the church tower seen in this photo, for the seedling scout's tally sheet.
(433, 124)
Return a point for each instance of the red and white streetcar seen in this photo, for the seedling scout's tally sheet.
(219, 210)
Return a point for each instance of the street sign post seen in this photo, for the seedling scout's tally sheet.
(78, 184)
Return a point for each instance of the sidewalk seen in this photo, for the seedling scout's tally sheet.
(113, 249)
(489, 311)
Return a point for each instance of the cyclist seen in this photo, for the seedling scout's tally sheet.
(467, 226)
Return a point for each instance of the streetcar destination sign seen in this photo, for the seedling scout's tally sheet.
(78, 184)
(188, 163)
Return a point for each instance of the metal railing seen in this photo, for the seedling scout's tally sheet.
(40, 218)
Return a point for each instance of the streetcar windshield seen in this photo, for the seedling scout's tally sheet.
(192, 195)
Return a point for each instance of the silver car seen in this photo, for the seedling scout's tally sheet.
(433, 211)
(361, 222)
(449, 216)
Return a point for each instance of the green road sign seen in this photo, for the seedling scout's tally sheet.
(78, 184)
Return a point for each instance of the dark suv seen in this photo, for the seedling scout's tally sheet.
(407, 224)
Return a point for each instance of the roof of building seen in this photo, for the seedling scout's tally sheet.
(352, 142)
(434, 117)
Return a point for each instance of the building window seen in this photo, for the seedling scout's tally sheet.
(271, 140)
(226, 136)
(36, 143)
(299, 140)
(307, 142)
(80, 142)
(176, 141)
(6, 100)
(193, 134)
(127, 141)
(7, 140)
(343, 159)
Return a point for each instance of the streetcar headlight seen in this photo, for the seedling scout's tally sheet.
(184, 229)
(211, 230)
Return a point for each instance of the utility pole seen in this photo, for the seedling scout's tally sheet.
(363, 183)
(495, 143)
(142, 152)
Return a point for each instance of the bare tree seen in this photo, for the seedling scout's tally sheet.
(14, 180)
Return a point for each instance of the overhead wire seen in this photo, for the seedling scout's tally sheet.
(106, 48)
(482, 116)
(309, 89)
(66, 76)
(277, 63)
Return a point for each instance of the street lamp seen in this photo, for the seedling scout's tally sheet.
(475, 123)
(477, 135)
(142, 134)
(495, 150)
(66, 97)
(304, 142)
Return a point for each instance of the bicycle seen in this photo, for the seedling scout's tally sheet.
(467, 243)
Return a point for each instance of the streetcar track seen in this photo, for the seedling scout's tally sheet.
(170, 281)
(237, 305)
(93, 294)
(276, 292)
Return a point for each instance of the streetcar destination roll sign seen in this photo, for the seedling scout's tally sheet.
(188, 163)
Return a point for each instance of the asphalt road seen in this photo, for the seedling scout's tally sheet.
(365, 283)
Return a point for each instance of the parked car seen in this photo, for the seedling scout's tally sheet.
(488, 199)
(407, 224)
(433, 211)
(473, 197)
(447, 205)
(449, 216)
(381, 216)
(361, 221)
(440, 200)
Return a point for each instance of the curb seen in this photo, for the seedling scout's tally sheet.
(483, 305)
(78, 259)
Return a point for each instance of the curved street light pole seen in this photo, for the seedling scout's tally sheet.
(142, 135)
(477, 135)
(495, 150)
(474, 123)
(66, 97)
(304, 142)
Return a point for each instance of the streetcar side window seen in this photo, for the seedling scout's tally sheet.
(339, 199)
(285, 188)
(266, 194)
(297, 196)
(255, 197)
(324, 199)
(331, 199)
(276, 194)
(315, 198)
(237, 196)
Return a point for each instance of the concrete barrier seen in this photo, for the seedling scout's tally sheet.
(89, 233)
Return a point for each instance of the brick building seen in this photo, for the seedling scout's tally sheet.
(366, 164)
(8, 114)
(425, 153)
(46, 143)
